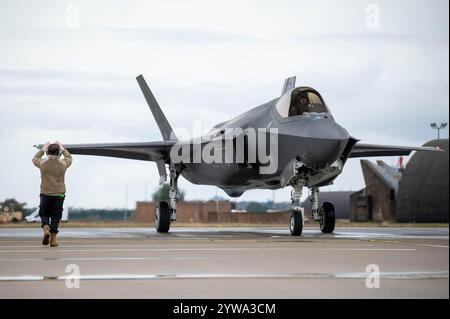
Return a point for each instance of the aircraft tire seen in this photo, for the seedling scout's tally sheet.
(296, 223)
(328, 218)
(162, 217)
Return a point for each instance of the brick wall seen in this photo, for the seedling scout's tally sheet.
(206, 212)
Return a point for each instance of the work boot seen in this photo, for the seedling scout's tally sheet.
(46, 237)
(53, 242)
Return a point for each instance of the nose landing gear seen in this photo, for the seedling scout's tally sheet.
(324, 213)
(298, 212)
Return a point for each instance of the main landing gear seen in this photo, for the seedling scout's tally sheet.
(324, 213)
(166, 212)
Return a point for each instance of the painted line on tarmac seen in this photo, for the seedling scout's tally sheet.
(342, 275)
(101, 258)
(205, 249)
(381, 236)
(22, 278)
(398, 275)
(415, 244)
(102, 245)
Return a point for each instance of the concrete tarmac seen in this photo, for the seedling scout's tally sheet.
(226, 263)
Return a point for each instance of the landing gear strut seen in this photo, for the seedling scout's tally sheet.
(166, 212)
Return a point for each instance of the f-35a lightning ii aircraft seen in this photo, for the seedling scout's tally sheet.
(311, 151)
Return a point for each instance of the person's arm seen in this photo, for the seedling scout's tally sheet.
(67, 156)
(38, 156)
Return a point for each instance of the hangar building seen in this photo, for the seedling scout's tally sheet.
(423, 189)
(419, 193)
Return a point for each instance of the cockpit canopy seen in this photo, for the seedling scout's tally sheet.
(301, 101)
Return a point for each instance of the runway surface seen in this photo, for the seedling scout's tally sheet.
(226, 263)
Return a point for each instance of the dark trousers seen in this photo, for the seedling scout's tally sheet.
(50, 211)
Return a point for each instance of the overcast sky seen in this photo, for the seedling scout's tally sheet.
(68, 68)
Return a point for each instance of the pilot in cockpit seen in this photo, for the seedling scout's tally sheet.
(301, 105)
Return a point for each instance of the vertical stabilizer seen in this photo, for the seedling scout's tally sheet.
(161, 120)
(289, 83)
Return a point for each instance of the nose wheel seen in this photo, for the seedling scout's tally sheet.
(296, 223)
(297, 212)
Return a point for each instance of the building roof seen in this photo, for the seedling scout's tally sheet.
(389, 175)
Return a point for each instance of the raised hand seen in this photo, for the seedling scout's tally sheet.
(45, 147)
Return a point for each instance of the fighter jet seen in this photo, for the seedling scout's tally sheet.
(310, 149)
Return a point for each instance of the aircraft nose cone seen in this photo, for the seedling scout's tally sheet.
(327, 145)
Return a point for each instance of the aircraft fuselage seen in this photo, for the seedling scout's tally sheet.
(314, 139)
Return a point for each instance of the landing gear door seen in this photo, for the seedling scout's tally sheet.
(289, 171)
(162, 172)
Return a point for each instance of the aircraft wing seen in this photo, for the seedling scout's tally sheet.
(150, 151)
(158, 152)
(371, 150)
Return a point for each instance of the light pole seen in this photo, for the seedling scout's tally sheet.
(439, 127)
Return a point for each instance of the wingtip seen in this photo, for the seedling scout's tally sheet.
(434, 149)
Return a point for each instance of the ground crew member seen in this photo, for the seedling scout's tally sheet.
(53, 190)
